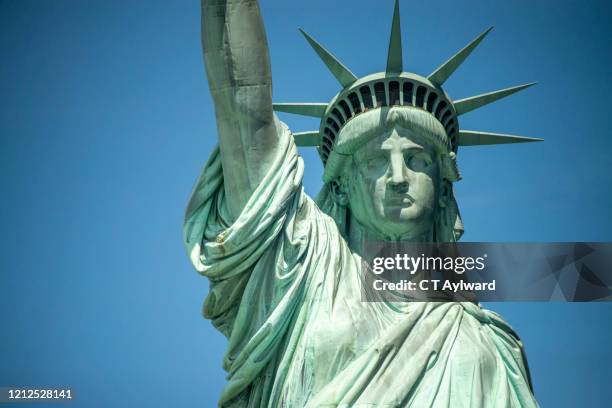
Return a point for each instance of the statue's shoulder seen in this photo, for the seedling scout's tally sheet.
(324, 220)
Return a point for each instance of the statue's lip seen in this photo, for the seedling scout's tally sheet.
(400, 200)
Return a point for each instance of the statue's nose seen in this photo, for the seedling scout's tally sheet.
(398, 180)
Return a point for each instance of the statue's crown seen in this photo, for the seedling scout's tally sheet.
(394, 87)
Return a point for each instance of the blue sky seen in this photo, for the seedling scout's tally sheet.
(106, 120)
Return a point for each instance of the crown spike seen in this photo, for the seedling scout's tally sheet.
(394, 56)
(440, 75)
(316, 110)
(474, 138)
(474, 102)
(310, 138)
(341, 72)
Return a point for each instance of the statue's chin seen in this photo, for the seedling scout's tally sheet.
(411, 214)
(404, 222)
(407, 222)
(403, 227)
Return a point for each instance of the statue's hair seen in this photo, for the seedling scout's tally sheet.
(448, 225)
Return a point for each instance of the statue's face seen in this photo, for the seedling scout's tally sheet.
(395, 185)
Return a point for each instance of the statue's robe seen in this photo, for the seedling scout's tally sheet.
(285, 291)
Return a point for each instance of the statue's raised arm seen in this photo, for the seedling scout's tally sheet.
(238, 69)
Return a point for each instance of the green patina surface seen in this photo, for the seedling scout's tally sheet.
(285, 269)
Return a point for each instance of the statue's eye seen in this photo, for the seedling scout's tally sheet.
(419, 162)
(376, 162)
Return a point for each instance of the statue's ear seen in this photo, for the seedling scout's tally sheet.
(446, 193)
(339, 191)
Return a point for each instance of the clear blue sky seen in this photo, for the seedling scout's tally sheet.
(105, 121)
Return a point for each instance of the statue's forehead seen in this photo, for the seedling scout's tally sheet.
(406, 138)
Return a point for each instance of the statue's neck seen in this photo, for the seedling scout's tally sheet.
(359, 235)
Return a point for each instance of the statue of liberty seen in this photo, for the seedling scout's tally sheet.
(284, 269)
